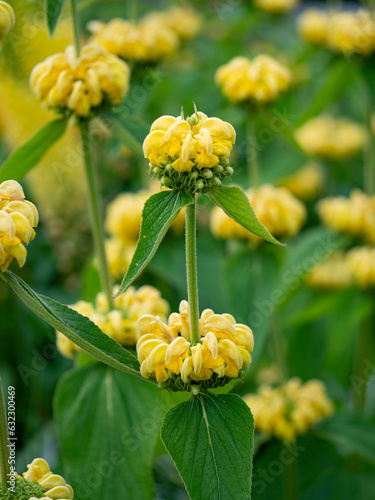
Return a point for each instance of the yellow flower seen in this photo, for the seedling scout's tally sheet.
(354, 216)
(276, 6)
(175, 147)
(331, 139)
(313, 26)
(361, 261)
(165, 351)
(18, 217)
(119, 323)
(54, 485)
(148, 41)
(80, 85)
(352, 32)
(276, 208)
(119, 256)
(306, 183)
(7, 19)
(331, 274)
(260, 80)
(184, 21)
(290, 409)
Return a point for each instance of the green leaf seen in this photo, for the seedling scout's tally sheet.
(76, 327)
(123, 134)
(18, 164)
(210, 439)
(53, 10)
(159, 212)
(352, 433)
(121, 417)
(236, 205)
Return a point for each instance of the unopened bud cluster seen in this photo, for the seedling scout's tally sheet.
(167, 354)
(54, 485)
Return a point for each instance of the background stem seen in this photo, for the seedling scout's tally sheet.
(4, 466)
(76, 27)
(290, 480)
(191, 270)
(95, 213)
(369, 152)
(252, 154)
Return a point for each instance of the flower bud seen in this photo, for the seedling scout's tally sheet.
(207, 173)
(7, 19)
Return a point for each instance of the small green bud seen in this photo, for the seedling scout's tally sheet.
(168, 167)
(207, 173)
(230, 170)
(218, 169)
(200, 185)
(216, 181)
(156, 170)
(194, 174)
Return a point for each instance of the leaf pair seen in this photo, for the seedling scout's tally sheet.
(161, 210)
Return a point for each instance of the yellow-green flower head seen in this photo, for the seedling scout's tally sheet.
(54, 485)
(167, 355)
(354, 216)
(7, 19)
(331, 274)
(120, 322)
(290, 409)
(261, 80)
(184, 21)
(95, 81)
(307, 183)
(312, 25)
(330, 138)
(191, 154)
(18, 217)
(146, 41)
(361, 261)
(276, 208)
(276, 6)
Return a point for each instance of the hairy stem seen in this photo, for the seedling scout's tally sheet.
(191, 269)
(252, 153)
(95, 207)
(4, 466)
(75, 25)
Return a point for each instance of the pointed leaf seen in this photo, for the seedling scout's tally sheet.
(159, 212)
(210, 439)
(27, 156)
(236, 205)
(76, 327)
(122, 417)
(53, 10)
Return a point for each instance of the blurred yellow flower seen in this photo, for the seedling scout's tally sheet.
(18, 217)
(7, 19)
(290, 409)
(313, 26)
(276, 208)
(120, 322)
(307, 183)
(184, 21)
(331, 139)
(361, 261)
(81, 85)
(276, 6)
(331, 274)
(165, 351)
(55, 486)
(119, 256)
(148, 41)
(260, 80)
(354, 216)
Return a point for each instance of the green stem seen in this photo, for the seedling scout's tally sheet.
(369, 152)
(290, 480)
(4, 466)
(278, 346)
(95, 213)
(252, 155)
(191, 269)
(76, 28)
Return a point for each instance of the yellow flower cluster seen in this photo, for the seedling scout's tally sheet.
(276, 208)
(260, 80)
(331, 274)
(7, 19)
(331, 139)
(306, 183)
(120, 322)
(55, 486)
(184, 21)
(165, 351)
(276, 6)
(18, 217)
(354, 216)
(81, 85)
(290, 409)
(361, 261)
(346, 32)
